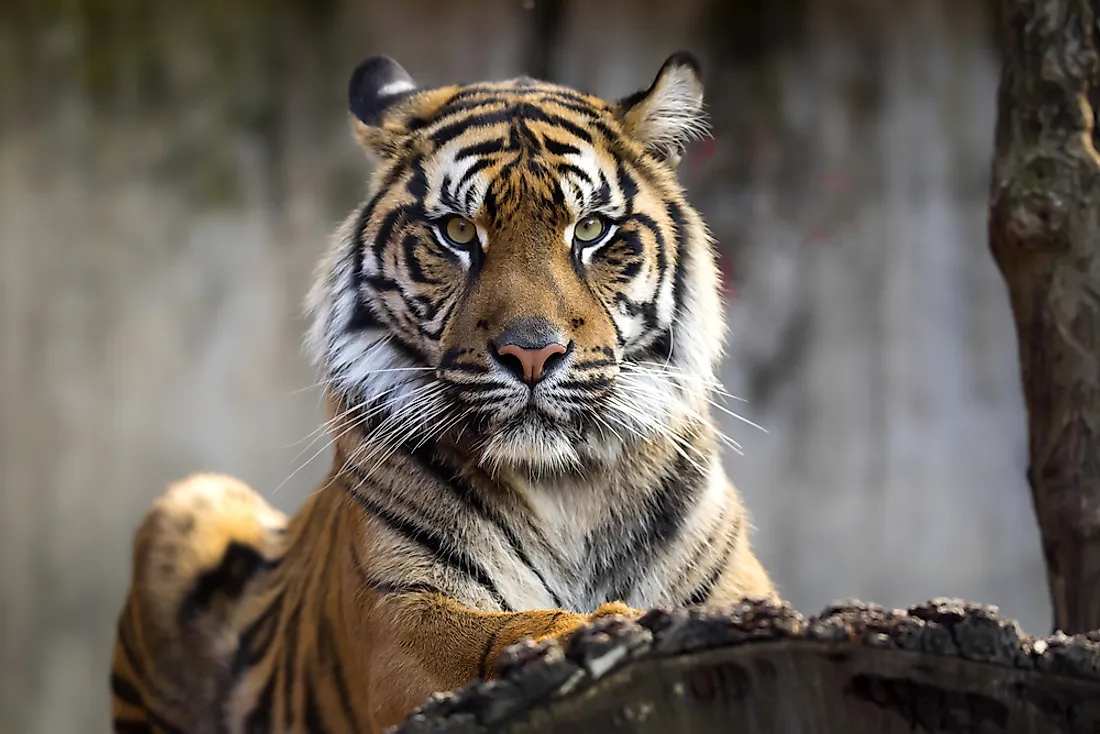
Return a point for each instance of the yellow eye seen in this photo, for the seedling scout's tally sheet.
(459, 230)
(589, 229)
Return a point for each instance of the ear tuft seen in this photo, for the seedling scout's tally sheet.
(670, 114)
(376, 85)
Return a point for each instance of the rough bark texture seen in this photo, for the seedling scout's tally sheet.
(944, 666)
(1044, 230)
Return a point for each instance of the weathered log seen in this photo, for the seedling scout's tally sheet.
(944, 666)
(1044, 232)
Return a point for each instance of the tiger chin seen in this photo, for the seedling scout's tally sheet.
(518, 331)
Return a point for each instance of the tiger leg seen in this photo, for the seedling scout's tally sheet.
(433, 643)
(195, 554)
(744, 577)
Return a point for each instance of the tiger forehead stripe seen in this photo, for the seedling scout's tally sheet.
(460, 174)
(457, 118)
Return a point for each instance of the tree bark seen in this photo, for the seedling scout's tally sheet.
(944, 666)
(1044, 232)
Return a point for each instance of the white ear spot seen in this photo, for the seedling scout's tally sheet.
(396, 87)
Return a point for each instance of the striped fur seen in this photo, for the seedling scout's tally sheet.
(465, 508)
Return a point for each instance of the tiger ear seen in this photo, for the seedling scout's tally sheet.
(382, 100)
(670, 114)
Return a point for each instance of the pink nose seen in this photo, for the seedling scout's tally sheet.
(531, 361)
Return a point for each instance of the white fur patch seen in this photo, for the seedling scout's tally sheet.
(445, 167)
(396, 87)
(533, 445)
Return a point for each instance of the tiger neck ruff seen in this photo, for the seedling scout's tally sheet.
(517, 332)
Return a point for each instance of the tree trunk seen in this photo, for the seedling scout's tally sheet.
(1043, 231)
(760, 669)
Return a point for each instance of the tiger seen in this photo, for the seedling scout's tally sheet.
(517, 333)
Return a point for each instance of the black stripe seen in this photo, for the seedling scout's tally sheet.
(589, 364)
(485, 147)
(705, 589)
(483, 663)
(396, 587)
(256, 640)
(417, 185)
(123, 726)
(444, 134)
(327, 644)
(679, 278)
(467, 494)
(162, 724)
(446, 195)
(131, 696)
(126, 692)
(382, 284)
(289, 669)
(460, 108)
(603, 196)
(556, 147)
(259, 718)
(124, 636)
(468, 176)
(314, 722)
(662, 252)
(472, 369)
(440, 548)
(362, 318)
(584, 109)
(627, 185)
(387, 227)
(674, 499)
(469, 202)
(554, 620)
(449, 360)
(629, 242)
(238, 565)
(564, 124)
(580, 173)
(591, 383)
(662, 347)
(473, 390)
(668, 507)
(412, 262)
(530, 87)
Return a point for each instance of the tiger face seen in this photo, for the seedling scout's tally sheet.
(525, 280)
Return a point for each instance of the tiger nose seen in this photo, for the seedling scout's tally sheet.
(529, 349)
(532, 362)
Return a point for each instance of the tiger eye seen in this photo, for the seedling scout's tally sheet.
(588, 229)
(460, 231)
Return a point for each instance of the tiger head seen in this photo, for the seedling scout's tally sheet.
(525, 280)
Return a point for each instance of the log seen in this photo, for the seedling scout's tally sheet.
(1044, 233)
(760, 668)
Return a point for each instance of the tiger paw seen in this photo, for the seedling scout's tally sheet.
(615, 608)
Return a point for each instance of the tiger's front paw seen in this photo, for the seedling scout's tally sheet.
(612, 608)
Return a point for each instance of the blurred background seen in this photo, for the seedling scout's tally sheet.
(170, 173)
